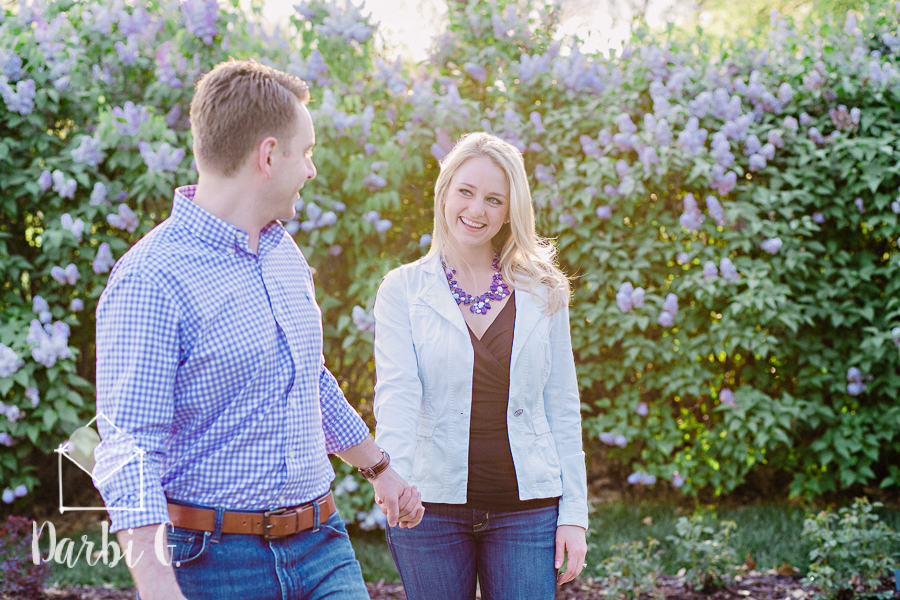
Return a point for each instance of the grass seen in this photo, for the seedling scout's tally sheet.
(771, 534)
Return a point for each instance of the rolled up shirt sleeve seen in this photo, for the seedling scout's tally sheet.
(137, 358)
(343, 426)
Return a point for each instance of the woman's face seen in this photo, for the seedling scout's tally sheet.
(476, 202)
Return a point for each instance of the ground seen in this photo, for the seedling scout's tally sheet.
(754, 586)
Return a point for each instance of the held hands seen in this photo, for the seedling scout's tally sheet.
(570, 541)
(401, 504)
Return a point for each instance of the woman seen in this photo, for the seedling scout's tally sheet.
(476, 401)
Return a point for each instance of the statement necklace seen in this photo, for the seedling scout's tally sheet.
(479, 304)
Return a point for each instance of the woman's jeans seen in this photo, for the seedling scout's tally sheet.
(312, 564)
(510, 553)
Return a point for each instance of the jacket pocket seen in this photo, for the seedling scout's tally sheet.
(424, 443)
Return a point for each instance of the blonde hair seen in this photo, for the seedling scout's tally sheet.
(526, 260)
(237, 104)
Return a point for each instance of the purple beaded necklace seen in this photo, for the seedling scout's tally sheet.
(479, 304)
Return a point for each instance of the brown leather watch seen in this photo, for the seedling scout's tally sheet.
(371, 473)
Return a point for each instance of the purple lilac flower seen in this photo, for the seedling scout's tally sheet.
(607, 437)
(642, 409)
(567, 220)
(535, 118)
(88, 152)
(699, 106)
(75, 227)
(6, 440)
(768, 151)
(693, 137)
(757, 162)
(476, 72)
(855, 389)
(40, 307)
(21, 491)
(33, 395)
(345, 22)
(9, 361)
(677, 480)
(129, 118)
(805, 119)
(589, 146)
(383, 225)
(620, 441)
(818, 217)
(164, 159)
(364, 321)
(623, 297)
(895, 334)
(648, 157)
(771, 245)
(200, 17)
(374, 182)
(425, 240)
(76, 305)
(854, 375)
(624, 123)
(709, 270)
(637, 298)
(165, 70)
(104, 261)
(641, 478)
(543, 175)
(45, 181)
(860, 206)
(10, 64)
(895, 206)
(98, 195)
(791, 123)
(682, 258)
(723, 182)
(604, 212)
(726, 267)
(8, 496)
(752, 145)
(20, 100)
(51, 342)
(691, 218)
(531, 67)
(715, 210)
(662, 134)
(128, 52)
(775, 138)
(671, 304)
(726, 397)
(126, 219)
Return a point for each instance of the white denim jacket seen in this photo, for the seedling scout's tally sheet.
(423, 398)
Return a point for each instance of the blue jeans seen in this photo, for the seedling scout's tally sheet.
(510, 553)
(312, 564)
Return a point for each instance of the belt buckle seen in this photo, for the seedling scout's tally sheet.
(267, 526)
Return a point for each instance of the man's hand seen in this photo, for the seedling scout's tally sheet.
(401, 504)
(570, 545)
(153, 579)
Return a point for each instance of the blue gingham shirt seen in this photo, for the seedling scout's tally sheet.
(209, 359)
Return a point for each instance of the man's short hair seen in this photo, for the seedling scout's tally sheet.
(235, 106)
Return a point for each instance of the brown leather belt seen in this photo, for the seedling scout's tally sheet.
(276, 523)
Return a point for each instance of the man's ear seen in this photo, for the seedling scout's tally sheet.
(265, 152)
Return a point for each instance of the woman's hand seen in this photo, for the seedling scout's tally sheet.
(571, 545)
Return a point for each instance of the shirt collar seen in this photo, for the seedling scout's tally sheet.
(214, 231)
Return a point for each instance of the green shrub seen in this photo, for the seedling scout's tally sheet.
(704, 551)
(631, 572)
(851, 550)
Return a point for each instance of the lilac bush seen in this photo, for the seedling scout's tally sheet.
(727, 277)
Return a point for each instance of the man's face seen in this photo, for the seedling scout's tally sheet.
(294, 166)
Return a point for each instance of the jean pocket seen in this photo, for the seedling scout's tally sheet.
(334, 526)
(187, 545)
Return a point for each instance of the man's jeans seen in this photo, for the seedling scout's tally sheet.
(312, 564)
(511, 553)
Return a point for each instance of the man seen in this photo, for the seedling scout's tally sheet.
(209, 360)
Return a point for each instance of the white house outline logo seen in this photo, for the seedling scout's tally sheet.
(137, 454)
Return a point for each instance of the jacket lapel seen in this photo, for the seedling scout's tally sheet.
(528, 313)
(436, 294)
